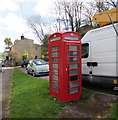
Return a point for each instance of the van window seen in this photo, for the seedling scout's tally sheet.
(85, 50)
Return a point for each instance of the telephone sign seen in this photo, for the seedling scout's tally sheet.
(65, 66)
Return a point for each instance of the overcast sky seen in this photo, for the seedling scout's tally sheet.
(13, 15)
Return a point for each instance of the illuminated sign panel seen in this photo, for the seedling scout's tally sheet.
(71, 38)
(54, 39)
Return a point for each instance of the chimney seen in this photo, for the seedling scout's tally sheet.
(22, 37)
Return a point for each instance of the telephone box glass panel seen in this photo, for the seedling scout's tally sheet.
(55, 83)
(55, 77)
(55, 88)
(74, 84)
(55, 48)
(74, 90)
(71, 53)
(73, 72)
(73, 78)
(73, 47)
(54, 65)
(55, 71)
(73, 59)
(73, 66)
(55, 54)
(55, 59)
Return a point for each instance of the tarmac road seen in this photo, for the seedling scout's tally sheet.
(5, 78)
(0, 95)
(45, 77)
(101, 89)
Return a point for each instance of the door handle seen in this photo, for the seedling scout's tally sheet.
(93, 64)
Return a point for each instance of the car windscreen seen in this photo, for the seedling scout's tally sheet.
(26, 61)
(39, 62)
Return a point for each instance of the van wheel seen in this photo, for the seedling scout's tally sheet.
(33, 74)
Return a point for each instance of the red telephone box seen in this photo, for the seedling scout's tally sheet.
(65, 66)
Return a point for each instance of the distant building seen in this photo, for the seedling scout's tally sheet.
(26, 46)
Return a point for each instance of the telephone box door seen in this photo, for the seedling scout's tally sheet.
(73, 67)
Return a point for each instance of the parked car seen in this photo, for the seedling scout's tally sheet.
(1, 65)
(37, 67)
(24, 63)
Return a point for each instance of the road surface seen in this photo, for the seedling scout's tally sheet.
(5, 87)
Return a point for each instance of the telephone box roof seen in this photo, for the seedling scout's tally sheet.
(62, 32)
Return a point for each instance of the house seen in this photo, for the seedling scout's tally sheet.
(26, 46)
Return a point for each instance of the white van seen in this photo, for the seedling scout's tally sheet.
(100, 56)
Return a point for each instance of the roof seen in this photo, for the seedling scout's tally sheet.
(63, 32)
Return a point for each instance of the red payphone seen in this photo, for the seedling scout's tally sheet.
(65, 66)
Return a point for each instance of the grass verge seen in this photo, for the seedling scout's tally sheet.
(113, 112)
(30, 98)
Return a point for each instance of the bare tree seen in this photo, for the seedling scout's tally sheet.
(112, 3)
(69, 14)
(36, 24)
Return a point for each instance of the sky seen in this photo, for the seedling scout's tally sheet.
(14, 15)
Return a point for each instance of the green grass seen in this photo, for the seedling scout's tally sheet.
(113, 112)
(30, 98)
(87, 93)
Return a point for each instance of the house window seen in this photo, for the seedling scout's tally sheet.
(85, 50)
(36, 57)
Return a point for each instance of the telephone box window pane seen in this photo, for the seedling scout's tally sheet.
(73, 78)
(54, 65)
(71, 53)
(55, 71)
(73, 59)
(55, 88)
(55, 54)
(54, 59)
(74, 90)
(73, 47)
(55, 48)
(73, 72)
(74, 84)
(55, 77)
(55, 83)
(72, 66)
